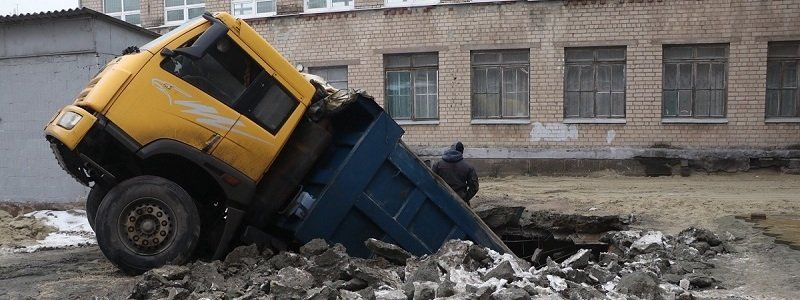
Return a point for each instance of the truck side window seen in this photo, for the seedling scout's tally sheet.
(224, 72)
(267, 103)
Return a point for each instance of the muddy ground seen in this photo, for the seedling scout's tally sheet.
(669, 203)
(760, 268)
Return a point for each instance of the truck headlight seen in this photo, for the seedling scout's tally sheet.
(69, 119)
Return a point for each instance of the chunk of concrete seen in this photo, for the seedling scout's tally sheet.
(446, 288)
(452, 254)
(314, 247)
(480, 292)
(171, 272)
(639, 284)
(205, 277)
(322, 293)
(578, 260)
(501, 271)
(649, 242)
(608, 257)
(243, 255)
(374, 277)
(583, 291)
(390, 294)
(391, 252)
(291, 282)
(699, 281)
(599, 274)
(288, 259)
(512, 293)
(425, 290)
(348, 295)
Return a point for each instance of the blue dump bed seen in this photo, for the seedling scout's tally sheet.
(368, 184)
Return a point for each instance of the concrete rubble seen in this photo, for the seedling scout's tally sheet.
(637, 265)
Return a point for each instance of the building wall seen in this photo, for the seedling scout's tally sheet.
(361, 37)
(43, 65)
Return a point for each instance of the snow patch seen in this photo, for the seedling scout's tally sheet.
(609, 286)
(557, 283)
(73, 230)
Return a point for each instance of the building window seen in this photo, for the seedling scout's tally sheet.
(335, 76)
(500, 84)
(783, 78)
(328, 5)
(179, 11)
(401, 3)
(253, 8)
(126, 10)
(412, 87)
(594, 82)
(695, 81)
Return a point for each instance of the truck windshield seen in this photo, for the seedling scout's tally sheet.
(170, 35)
(223, 72)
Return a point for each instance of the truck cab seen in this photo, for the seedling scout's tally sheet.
(191, 122)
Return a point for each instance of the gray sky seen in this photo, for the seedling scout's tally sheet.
(10, 7)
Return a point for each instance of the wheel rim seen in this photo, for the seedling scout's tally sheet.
(147, 226)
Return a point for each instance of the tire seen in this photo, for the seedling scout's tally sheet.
(93, 201)
(146, 222)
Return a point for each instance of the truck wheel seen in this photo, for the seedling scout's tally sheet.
(93, 201)
(146, 222)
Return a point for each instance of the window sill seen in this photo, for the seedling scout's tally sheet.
(500, 121)
(263, 15)
(412, 122)
(412, 4)
(327, 10)
(594, 121)
(486, 1)
(694, 121)
(782, 120)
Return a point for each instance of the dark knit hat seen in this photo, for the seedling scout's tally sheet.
(458, 146)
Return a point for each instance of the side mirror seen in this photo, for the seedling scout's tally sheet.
(206, 40)
(166, 52)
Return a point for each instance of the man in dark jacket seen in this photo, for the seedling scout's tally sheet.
(458, 174)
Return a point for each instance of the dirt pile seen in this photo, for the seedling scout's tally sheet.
(21, 231)
(645, 265)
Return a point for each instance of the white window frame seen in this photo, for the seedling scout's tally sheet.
(328, 7)
(123, 14)
(412, 68)
(183, 7)
(255, 13)
(409, 3)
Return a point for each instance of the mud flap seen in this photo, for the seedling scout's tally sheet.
(233, 220)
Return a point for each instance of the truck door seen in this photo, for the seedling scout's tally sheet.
(269, 113)
(179, 97)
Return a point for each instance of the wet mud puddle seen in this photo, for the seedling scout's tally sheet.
(784, 228)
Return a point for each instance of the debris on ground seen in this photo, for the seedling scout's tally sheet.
(44, 229)
(643, 264)
(21, 231)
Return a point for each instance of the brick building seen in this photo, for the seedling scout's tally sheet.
(605, 79)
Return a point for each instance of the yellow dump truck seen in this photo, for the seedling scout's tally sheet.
(207, 136)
